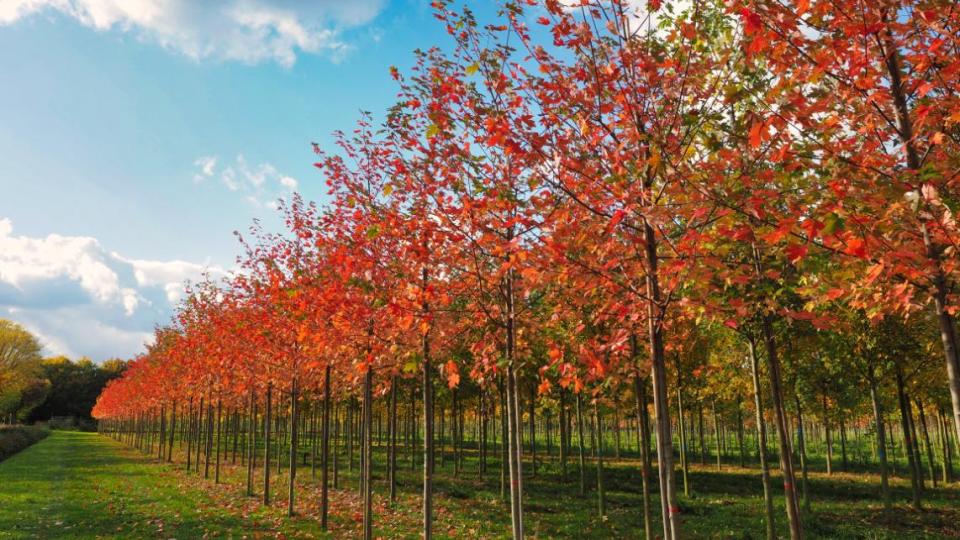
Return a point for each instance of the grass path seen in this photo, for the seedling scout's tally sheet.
(82, 485)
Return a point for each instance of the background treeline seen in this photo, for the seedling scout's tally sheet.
(37, 389)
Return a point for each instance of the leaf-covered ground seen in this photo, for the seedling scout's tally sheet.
(81, 485)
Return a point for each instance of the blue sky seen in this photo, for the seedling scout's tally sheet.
(137, 135)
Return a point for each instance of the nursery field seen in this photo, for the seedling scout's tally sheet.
(84, 485)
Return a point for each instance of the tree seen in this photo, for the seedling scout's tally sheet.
(22, 385)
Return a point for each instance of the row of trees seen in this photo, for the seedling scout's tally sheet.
(583, 199)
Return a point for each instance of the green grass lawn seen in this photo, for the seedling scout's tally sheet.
(82, 485)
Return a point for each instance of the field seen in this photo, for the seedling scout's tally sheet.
(83, 485)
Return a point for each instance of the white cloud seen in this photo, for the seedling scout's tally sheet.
(249, 31)
(81, 299)
(261, 185)
(206, 165)
(289, 183)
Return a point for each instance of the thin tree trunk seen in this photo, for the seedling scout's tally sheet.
(368, 455)
(944, 447)
(661, 406)
(681, 428)
(881, 440)
(216, 474)
(802, 450)
(252, 427)
(601, 497)
(209, 445)
(266, 445)
(504, 459)
(427, 427)
(740, 430)
(643, 432)
(931, 463)
(392, 443)
(325, 451)
(716, 435)
(843, 443)
(513, 412)
(907, 441)
(563, 436)
(826, 427)
(583, 465)
(533, 430)
(786, 459)
(173, 431)
(294, 440)
(762, 439)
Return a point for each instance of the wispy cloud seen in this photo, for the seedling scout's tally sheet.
(260, 185)
(249, 31)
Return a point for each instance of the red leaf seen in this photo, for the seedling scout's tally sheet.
(856, 247)
(757, 133)
(795, 252)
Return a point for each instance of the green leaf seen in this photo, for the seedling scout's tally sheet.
(832, 223)
(432, 130)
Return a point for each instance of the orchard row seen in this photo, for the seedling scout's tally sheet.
(743, 206)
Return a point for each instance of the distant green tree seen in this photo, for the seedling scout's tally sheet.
(74, 386)
(22, 382)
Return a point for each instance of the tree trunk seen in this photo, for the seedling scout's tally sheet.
(762, 439)
(681, 428)
(427, 423)
(209, 444)
(504, 459)
(661, 406)
(843, 443)
(701, 434)
(294, 440)
(944, 447)
(643, 433)
(199, 434)
(583, 465)
(252, 427)
(173, 431)
(601, 497)
(786, 459)
(907, 442)
(368, 454)
(515, 455)
(533, 430)
(189, 433)
(826, 427)
(513, 413)
(563, 437)
(931, 464)
(716, 435)
(881, 441)
(392, 443)
(740, 430)
(268, 411)
(802, 442)
(216, 474)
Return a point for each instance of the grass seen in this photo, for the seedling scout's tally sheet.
(81, 485)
